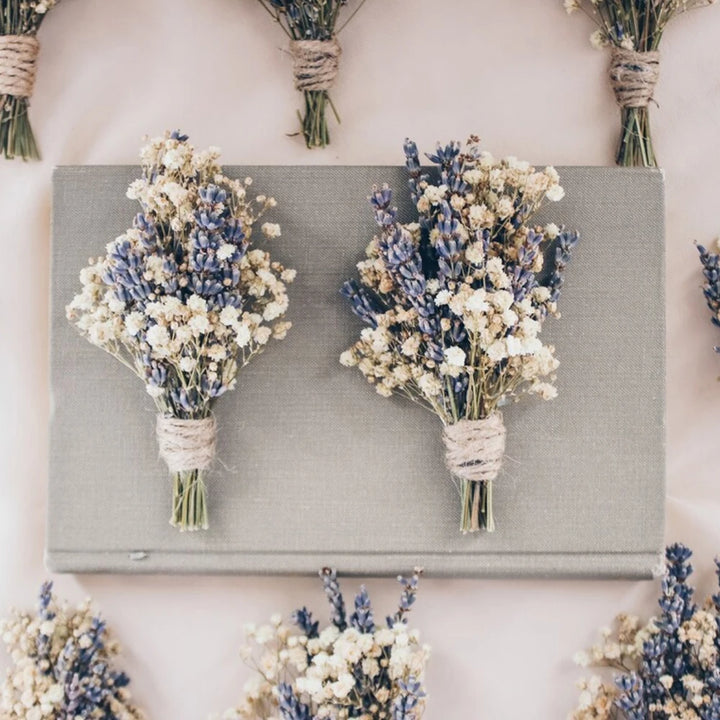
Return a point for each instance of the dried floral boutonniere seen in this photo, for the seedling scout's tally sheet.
(185, 301)
(666, 668)
(63, 666)
(353, 668)
(455, 304)
(19, 48)
(633, 29)
(312, 26)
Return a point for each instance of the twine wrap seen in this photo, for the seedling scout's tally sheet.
(315, 63)
(474, 449)
(18, 62)
(633, 76)
(186, 445)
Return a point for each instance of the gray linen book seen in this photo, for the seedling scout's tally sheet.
(314, 468)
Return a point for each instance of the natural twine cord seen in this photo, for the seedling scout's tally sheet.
(474, 449)
(315, 63)
(186, 444)
(633, 76)
(18, 62)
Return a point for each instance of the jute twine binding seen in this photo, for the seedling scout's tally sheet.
(474, 449)
(315, 63)
(18, 61)
(186, 444)
(634, 76)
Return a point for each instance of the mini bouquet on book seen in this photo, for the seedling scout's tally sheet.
(312, 27)
(353, 668)
(633, 29)
(20, 21)
(456, 301)
(665, 668)
(62, 666)
(185, 301)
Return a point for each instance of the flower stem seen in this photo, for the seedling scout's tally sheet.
(314, 121)
(477, 506)
(189, 501)
(16, 135)
(636, 146)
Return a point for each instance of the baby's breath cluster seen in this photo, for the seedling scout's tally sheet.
(62, 666)
(182, 298)
(353, 668)
(667, 668)
(455, 302)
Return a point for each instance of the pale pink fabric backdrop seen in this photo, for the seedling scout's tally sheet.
(522, 75)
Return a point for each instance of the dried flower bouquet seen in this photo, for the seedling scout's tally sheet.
(666, 668)
(63, 666)
(185, 301)
(455, 303)
(312, 26)
(353, 668)
(633, 29)
(20, 21)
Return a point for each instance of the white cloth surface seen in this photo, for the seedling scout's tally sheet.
(523, 76)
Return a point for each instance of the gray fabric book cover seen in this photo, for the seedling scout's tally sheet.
(314, 468)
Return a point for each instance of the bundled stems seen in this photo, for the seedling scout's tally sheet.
(634, 30)
(20, 21)
(314, 122)
(477, 506)
(312, 27)
(16, 135)
(189, 501)
(636, 145)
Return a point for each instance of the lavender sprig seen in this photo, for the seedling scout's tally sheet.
(335, 598)
(406, 705)
(304, 620)
(711, 288)
(408, 596)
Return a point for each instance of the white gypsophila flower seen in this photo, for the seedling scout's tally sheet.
(157, 336)
(226, 251)
(242, 335)
(262, 335)
(504, 208)
(154, 391)
(229, 315)
(187, 364)
(571, 6)
(455, 356)
(435, 194)
(551, 231)
(197, 304)
(199, 324)
(599, 39)
(271, 230)
(555, 193)
(474, 253)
